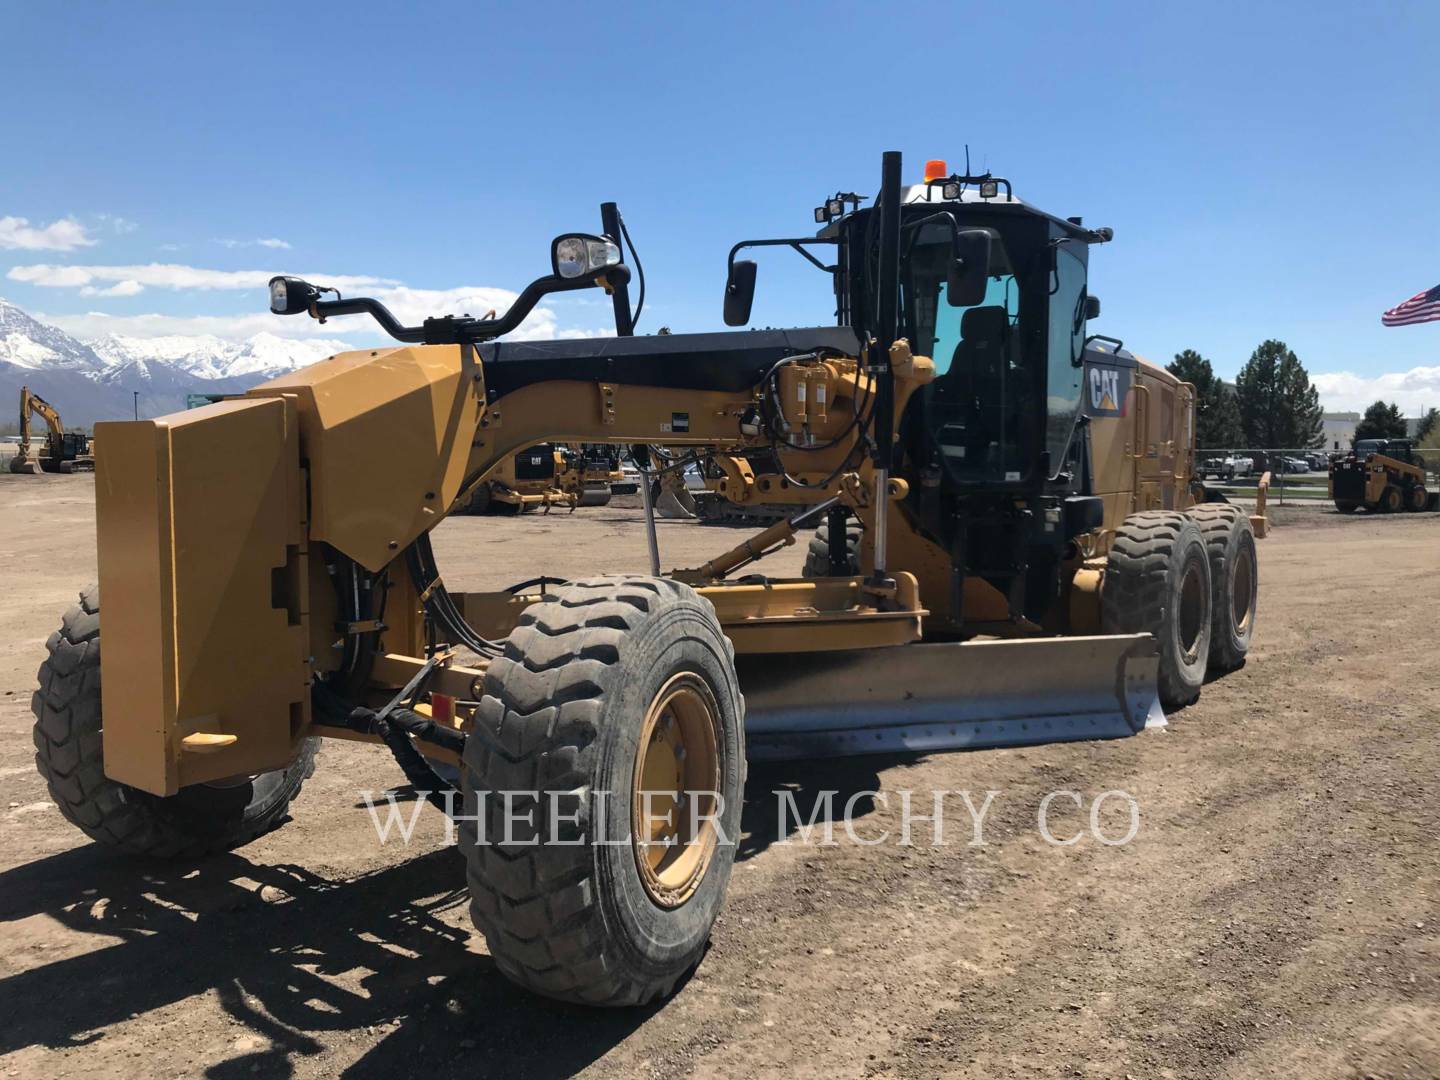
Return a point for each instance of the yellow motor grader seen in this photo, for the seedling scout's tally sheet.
(591, 473)
(1014, 551)
(530, 479)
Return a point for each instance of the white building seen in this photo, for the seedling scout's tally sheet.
(1339, 430)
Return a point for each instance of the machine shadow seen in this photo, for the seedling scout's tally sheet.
(795, 788)
(291, 956)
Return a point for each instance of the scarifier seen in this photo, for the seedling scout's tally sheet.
(1012, 550)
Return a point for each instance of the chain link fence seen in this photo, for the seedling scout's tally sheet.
(1296, 475)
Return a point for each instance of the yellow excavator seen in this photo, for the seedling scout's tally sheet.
(1013, 549)
(62, 451)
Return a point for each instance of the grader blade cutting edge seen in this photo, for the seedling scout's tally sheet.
(950, 696)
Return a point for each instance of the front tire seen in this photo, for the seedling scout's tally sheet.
(1390, 500)
(1157, 581)
(197, 821)
(608, 687)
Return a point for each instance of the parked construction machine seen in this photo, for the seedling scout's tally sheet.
(1383, 476)
(529, 479)
(62, 451)
(591, 473)
(1014, 553)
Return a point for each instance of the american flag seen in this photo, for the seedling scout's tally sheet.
(1422, 307)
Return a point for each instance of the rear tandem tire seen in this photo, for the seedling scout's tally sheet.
(197, 821)
(569, 722)
(1157, 581)
(1234, 581)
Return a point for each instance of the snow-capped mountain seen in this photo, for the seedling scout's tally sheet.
(97, 380)
(29, 344)
(208, 357)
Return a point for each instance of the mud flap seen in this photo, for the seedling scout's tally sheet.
(949, 696)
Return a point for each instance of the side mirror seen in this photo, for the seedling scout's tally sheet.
(966, 279)
(739, 292)
(578, 255)
(1092, 307)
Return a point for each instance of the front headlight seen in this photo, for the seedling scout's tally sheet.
(579, 254)
(278, 296)
(291, 295)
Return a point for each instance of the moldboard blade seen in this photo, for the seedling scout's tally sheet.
(949, 696)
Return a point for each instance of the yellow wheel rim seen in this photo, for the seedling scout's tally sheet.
(676, 790)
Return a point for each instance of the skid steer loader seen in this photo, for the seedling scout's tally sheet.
(1383, 476)
(1012, 554)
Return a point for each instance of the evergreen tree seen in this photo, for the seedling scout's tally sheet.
(1381, 421)
(1217, 414)
(1279, 408)
(1429, 427)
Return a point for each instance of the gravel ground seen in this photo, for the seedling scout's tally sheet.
(1275, 915)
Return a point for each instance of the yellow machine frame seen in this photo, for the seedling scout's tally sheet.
(187, 706)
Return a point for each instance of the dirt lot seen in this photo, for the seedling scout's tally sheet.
(1276, 915)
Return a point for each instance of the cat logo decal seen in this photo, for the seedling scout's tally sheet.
(1105, 392)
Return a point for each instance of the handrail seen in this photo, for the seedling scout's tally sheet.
(1141, 430)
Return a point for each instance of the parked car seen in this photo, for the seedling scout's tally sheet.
(1219, 468)
(1241, 466)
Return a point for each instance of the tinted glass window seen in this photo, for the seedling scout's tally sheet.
(1066, 344)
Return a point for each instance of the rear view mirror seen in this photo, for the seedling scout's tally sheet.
(1092, 307)
(966, 279)
(739, 292)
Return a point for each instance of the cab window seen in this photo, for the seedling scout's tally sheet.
(1066, 346)
(1002, 292)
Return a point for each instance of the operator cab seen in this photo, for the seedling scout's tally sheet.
(1399, 449)
(996, 292)
(1003, 408)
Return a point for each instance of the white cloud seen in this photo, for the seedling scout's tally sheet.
(95, 324)
(120, 288)
(171, 247)
(1413, 390)
(66, 234)
(266, 242)
(121, 226)
(172, 276)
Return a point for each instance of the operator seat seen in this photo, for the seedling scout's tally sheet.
(983, 351)
(967, 399)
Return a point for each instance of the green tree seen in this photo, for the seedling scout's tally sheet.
(1217, 414)
(1381, 421)
(1279, 408)
(1429, 429)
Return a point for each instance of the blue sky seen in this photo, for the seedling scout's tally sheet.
(1270, 170)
